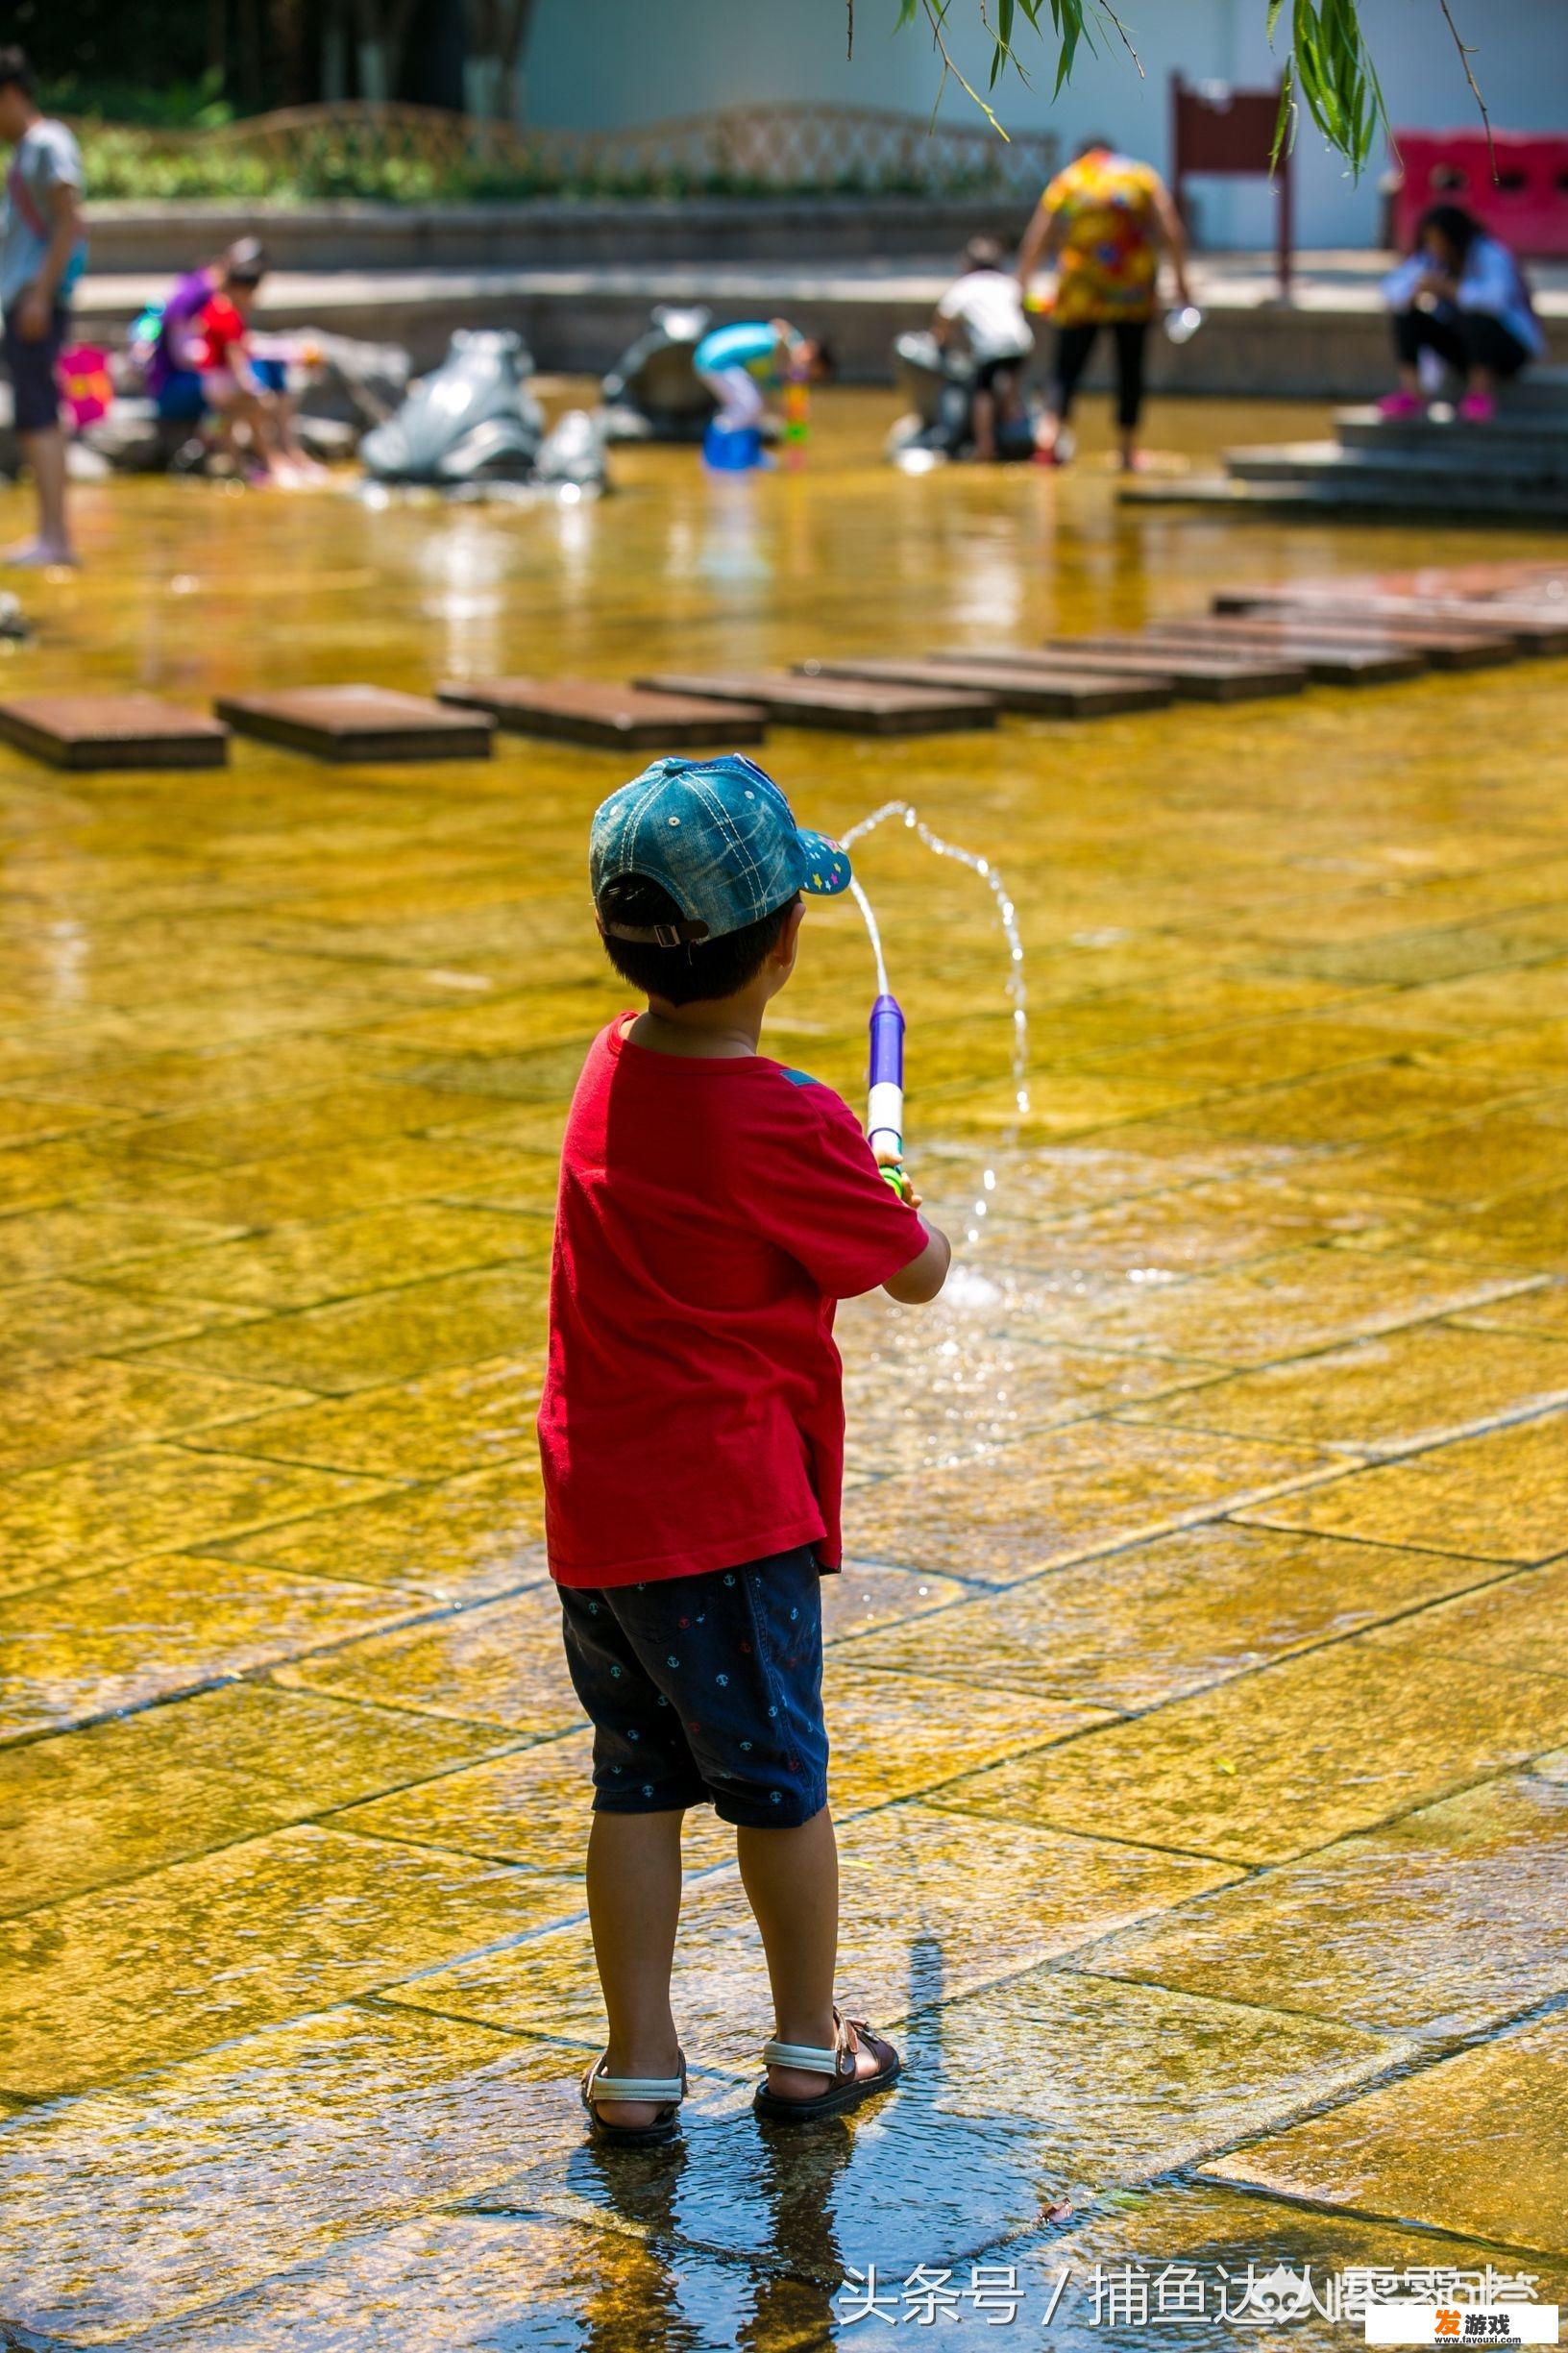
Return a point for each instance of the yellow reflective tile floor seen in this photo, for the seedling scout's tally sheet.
(1198, 1680)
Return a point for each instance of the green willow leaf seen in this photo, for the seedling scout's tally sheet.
(1329, 69)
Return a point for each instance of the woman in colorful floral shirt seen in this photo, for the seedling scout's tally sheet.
(1105, 221)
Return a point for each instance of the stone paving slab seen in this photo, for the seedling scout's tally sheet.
(1467, 1899)
(250, 1936)
(108, 731)
(450, 2281)
(1219, 2228)
(1062, 694)
(1378, 1397)
(310, 1264)
(1190, 2072)
(359, 723)
(1283, 1305)
(1074, 1492)
(1171, 1616)
(500, 1663)
(463, 1419)
(51, 1324)
(611, 718)
(76, 1518)
(1241, 1771)
(1410, 2151)
(1502, 1496)
(164, 1628)
(524, 1807)
(222, 2170)
(855, 707)
(1518, 1621)
(389, 1334)
(459, 1540)
(126, 1797)
(91, 1403)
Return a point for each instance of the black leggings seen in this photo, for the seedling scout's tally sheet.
(1074, 346)
(1466, 339)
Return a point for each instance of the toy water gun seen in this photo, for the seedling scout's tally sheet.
(884, 1101)
(796, 416)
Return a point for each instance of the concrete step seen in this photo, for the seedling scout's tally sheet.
(1309, 461)
(1364, 429)
(1525, 506)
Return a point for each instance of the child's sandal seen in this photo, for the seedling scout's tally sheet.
(847, 2087)
(668, 2089)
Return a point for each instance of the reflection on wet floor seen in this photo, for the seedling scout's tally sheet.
(1198, 1689)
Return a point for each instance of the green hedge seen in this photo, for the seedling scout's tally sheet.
(124, 163)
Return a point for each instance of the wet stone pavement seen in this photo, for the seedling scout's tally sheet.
(1199, 1686)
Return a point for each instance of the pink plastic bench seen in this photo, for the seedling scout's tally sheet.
(1526, 204)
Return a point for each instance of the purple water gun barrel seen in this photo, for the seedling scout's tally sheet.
(885, 1107)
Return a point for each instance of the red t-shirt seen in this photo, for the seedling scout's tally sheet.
(711, 1213)
(223, 331)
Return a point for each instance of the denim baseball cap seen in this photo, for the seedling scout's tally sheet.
(720, 837)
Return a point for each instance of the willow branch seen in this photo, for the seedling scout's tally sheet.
(1466, 52)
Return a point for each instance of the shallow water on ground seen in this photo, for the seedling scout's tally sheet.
(1197, 1689)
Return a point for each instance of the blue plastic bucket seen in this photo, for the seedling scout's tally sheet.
(731, 449)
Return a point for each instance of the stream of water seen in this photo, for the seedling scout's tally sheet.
(1007, 916)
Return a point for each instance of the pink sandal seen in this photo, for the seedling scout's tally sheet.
(1401, 404)
(1477, 408)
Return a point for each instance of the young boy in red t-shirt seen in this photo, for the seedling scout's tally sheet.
(714, 1206)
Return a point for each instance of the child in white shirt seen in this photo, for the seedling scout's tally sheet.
(987, 304)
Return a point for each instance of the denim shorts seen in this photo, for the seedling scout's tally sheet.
(706, 1691)
(33, 370)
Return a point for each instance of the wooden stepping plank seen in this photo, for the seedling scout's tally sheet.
(854, 706)
(1345, 660)
(1063, 694)
(360, 723)
(1203, 678)
(1217, 678)
(619, 717)
(112, 731)
(1444, 645)
(1526, 631)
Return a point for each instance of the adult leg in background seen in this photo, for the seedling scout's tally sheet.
(1490, 353)
(1132, 343)
(1074, 346)
(1415, 332)
(31, 362)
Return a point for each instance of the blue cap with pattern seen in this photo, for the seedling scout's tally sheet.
(718, 837)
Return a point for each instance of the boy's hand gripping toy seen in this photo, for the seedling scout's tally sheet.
(885, 1104)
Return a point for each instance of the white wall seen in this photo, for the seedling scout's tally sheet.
(610, 63)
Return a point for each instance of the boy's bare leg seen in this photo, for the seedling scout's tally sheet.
(791, 1883)
(633, 1906)
(983, 426)
(45, 456)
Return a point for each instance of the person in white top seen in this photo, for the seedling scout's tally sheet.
(1461, 296)
(987, 304)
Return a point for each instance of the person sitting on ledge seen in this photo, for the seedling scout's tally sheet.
(987, 305)
(1461, 295)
